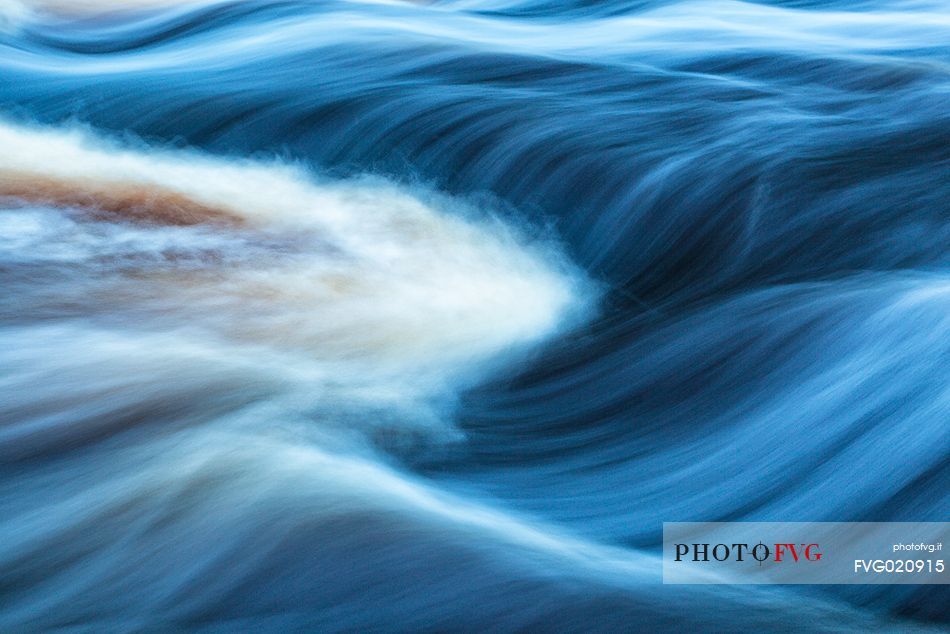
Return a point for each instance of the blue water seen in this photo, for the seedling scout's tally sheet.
(508, 285)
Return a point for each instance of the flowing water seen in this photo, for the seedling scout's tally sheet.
(348, 315)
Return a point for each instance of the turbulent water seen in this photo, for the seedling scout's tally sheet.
(342, 315)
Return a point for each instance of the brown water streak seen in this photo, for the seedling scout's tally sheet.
(142, 202)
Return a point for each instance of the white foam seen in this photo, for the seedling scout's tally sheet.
(13, 13)
(18, 10)
(392, 291)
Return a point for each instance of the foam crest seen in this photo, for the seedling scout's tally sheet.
(373, 281)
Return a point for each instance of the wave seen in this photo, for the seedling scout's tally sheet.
(379, 269)
(350, 315)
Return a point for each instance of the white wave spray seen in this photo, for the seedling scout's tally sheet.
(376, 288)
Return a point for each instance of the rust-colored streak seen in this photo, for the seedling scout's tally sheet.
(133, 201)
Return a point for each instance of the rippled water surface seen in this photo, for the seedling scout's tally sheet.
(347, 315)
